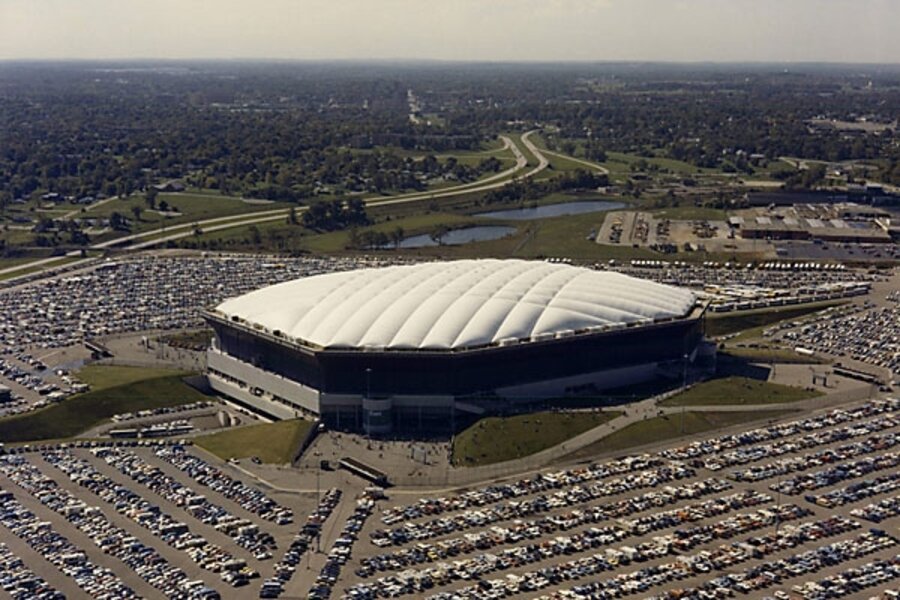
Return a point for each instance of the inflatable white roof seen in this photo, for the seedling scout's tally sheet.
(457, 304)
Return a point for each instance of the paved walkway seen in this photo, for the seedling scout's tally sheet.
(395, 458)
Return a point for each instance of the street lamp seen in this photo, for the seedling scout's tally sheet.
(683, 387)
(318, 456)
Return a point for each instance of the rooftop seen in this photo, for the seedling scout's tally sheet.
(453, 305)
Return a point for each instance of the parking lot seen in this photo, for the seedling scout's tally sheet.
(739, 514)
(806, 508)
(142, 519)
(44, 322)
(794, 507)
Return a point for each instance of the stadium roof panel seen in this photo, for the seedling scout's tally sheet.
(457, 304)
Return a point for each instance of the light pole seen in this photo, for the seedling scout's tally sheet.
(683, 387)
(318, 456)
(778, 507)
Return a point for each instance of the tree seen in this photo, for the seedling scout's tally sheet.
(117, 222)
(150, 197)
(397, 236)
(76, 236)
(136, 210)
(353, 238)
(437, 234)
(292, 217)
(255, 236)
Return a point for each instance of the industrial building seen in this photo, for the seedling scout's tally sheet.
(409, 347)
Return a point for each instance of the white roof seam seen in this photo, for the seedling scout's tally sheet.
(445, 304)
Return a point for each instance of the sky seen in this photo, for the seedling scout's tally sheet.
(457, 30)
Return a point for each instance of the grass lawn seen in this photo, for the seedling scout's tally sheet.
(667, 427)
(59, 262)
(192, 206)
(496, 439)
(270, 442)
(738, 390)
(413, 225)
(79, 413)
(768, 355)
(101, 377)
(8, 263)
(752, 322)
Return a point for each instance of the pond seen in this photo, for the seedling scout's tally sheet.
(456, 237)
(553, 210)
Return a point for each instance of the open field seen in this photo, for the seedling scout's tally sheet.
(767, 355)
(668, 427)
(751, 322)
(737, 391)
(62, 261)
(269, 442)
(497, 439)
(83, 411)
(191, 206)
(101, 377)
(7, 263)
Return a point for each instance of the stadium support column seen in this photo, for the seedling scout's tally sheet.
(377, 413)
(366, 399)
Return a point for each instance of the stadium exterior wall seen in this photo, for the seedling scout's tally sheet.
(424, 387)
(458, 373)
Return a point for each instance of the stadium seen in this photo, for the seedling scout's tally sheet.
(408, 348)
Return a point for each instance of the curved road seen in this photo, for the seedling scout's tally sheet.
(580, 161)
(183, 230)
(493, 182)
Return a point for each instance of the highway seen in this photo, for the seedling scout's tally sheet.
(580, 161)
(148, 239)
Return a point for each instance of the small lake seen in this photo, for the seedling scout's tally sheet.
(553, 210)
(456, 237)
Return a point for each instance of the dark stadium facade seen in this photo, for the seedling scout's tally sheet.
(381, 390)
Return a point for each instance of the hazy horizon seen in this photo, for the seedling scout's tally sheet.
(675, 31)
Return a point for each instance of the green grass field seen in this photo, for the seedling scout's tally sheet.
(768, 355)
(79, 413)
(60, 262)
(101, 377)
(497, 439)
(270, 442)
(192, 206)
(668, 427)
(751, 322)
(8, 263)
(733, 391)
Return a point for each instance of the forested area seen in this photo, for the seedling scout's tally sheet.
(295, 131)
